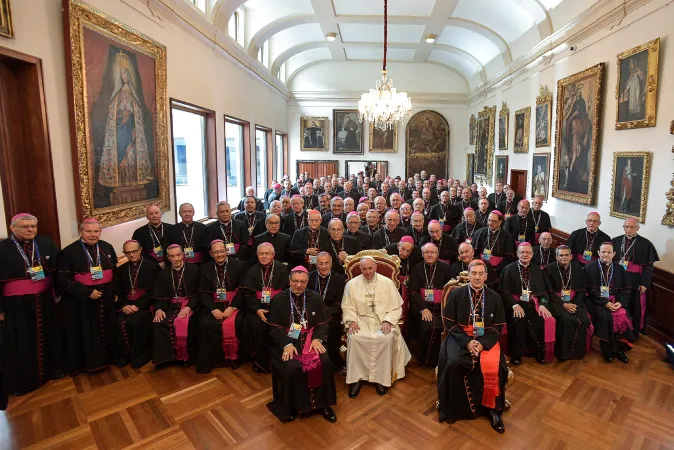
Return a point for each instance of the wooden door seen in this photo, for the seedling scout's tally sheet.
(518, 182)
(25, 152)
(317, 169)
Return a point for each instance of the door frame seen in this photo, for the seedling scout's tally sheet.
(526, 179)
(297, 164)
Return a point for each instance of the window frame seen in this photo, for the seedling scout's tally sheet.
(269, 160)
(284, 155)
(244, 158)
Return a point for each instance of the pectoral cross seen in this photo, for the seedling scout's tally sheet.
(370, 298)
(303, 323)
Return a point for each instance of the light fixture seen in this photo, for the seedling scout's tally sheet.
(430, 38)
(331, 37)
(383, 106)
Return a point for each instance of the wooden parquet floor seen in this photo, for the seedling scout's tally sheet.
(575, 404)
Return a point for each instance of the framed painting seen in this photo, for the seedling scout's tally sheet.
(314, 134)
(472, 128)
(484, 148)
(6, 26)
(385, 141)
(427, 143)
(579, 110)
(501, 173)
(118, 109)
(543, 117)
(522, 121)
(629, 187)
(470, 167)
(503, 127)
(541, 175)
(348, 132)
(637, 87)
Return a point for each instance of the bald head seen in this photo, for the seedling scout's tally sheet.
(545, 239)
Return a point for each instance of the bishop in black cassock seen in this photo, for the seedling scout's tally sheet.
(584, 243)
(188, 234)
(521, 226)
(297, 219)
(273, 236)
(544, 253)
(444, 242)
(151, 236)
(493, 244)
(541, 219)
(353, 230)
(465, 231)
(339, 246)
(446, 213)
(390, 233)
(306, 242)
(252, 219)
(233, 232)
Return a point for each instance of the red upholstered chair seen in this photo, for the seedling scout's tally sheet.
(387, 265)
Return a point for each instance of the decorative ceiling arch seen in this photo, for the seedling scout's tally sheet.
(275, 27)
(463, 54)
(486, 32)
(225, 8)
(292, 51)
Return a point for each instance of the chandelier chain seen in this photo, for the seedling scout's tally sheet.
(385, 32)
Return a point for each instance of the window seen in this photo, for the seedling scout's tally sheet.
(235, 132)
(233, 26)
(261, 136)
(263, 54)
(282, 73)
(279, 156)
(201, 4)
(180, 157)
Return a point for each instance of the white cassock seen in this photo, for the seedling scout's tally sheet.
(371, 355)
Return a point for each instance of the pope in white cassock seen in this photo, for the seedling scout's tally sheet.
(371, 309)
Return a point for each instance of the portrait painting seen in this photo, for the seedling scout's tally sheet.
(348, 132)
(540, 170)
(484, 148)
(427, 141)
(522, 120)
(6, 26)
(543, 117)
(470, 168)
(629, 188)
(120, 138)
(637, 86)
(501, 173)
(579, 110)
(503, 118)
(383, 141)
(314, 132)
(472, 130)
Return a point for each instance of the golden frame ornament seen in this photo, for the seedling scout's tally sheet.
(526, 112)
(472, 130)
(544, 98)
(489, 114)
(324, 123)
(650, 84)
(646, 156)
(374, 149)
(78, 16)
(505, 115)
(596, 72)
(6, 25)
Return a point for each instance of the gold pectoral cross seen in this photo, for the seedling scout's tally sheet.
(370, 299)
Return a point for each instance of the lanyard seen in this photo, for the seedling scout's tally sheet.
(536, 222)
(32, 256)
(523, 283)
(314, 237)
(134, 281)
(497, 197)
(254, 216)
(565, 285)
(523, 224)
(473, 303)
(176, 287)
(153, 234)
(224, 234)
(622, 247)
(340, 246)
(544, 260)
(301, 224)
(318, 285)
(604, 282)
(98, 255)
(188, 243)
(386, 238)
(589, 243)
(429, 283)
(266, 283)
(470, 235)
(294, 309)
(221, 284)
(491, 247)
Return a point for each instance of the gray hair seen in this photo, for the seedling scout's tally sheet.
(24, 217)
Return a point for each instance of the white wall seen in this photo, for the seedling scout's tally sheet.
(604, 47)
(197, 73)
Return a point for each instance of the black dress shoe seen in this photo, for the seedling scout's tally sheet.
(234, 364)
(607, 357)
(622, 357)
(354, 389)
(516, 360)
(496, 422)
(258, 369)
(381, 390)
(329, 414)
(540, 359)
(290, 418)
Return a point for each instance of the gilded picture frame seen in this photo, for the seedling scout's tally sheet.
(579, 107)
(347, 135)
(543, 130)
(470, 167)
(383, 141)
(472, 130)
(484, 148)
(501, 172)
(636, 91)
(629, 185)
(503, 127)
(540, 175)
(314, 134)
(427, 143)
(6, 24)
(522, 122)
(115, 71)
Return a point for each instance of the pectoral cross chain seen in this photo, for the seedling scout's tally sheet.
(370, 298)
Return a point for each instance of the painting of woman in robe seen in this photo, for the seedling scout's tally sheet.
(630, 185)
(637, 86)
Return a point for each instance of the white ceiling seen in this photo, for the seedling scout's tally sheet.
(475, 38)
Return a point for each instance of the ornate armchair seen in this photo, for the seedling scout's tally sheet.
(387, 265)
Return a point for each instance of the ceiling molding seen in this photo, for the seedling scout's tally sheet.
(292, 51)
(435, 25)
(312, 97)
(225, 8)
(493, 36)
(272, 28)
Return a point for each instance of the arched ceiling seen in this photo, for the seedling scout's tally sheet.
(471, 34)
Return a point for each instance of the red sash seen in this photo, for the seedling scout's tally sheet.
(489, 362)
(230, 343)
(138, 293)
(311, 361)
(197, 258)
(25, 287)
(446, 228)
(494, 261)
(437, 295)
(634, 268)
(180, 326)
(85, 278)
(549, 330)
(621, 323)
(582, 260)
(230, 297)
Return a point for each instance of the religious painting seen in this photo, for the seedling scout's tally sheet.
(579, 110)
(637, 86)
(541, 175)
(543, 117)
(348, 132)
(522, 121)
(6, 26)
(501, 173)
(118, 116)
(503, 127)
(472, 130)
(470, 168)
(314, 132)
(484, 149)
(427, 144)
(383, 141)
(629, 188)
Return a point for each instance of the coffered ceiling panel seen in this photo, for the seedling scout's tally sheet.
(505, 17)
(370, 32)
(376, 7)
(376, 53)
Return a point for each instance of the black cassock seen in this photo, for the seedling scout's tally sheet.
(88, 325)
(543, 257)
(363, 239)
(527, 334)
(280, 241)
(521, 229)
(176, 338)
(348, 244)
(307, 384)
(188, 236)
(275, 277)
(449, 251)
(134, 331)
(383, 237)
(303, 239)
(609, 327)
(542, 222)
(465, 233)
(448, 215)
(495, 198)
(460, 266)
(331, 289)
(151, 239)
(234, 232)
(574, 331)
(424, 280)
(639, 255)
(293, 222)
(507, 208)
(417, 235)
(220, 341)
(460, 380)
(581, 240)
(501, 245)
(326, 218)
(254, 222)
(32, 339)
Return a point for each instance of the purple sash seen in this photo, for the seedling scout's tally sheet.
(581, 259)
(85, 278)
(197, 258)
(135, 295)
(494, 261)
(549, 330)
(437, 295)
(621, 323)
(311, 361)
(26, 287)
(180, 326)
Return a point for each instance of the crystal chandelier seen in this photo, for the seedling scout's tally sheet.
(383, 106)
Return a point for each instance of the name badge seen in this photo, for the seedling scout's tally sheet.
(521, 238)
(508, 216)
(566, 296)
(604, 292)
(313, 259)
(294, 332)
(486, 255)
(158, 251)
(587, 255)
(266, 296)
(468, 240)
(189, 252)
(36, 273)
(478, 328)
(250, 230)
(96, 273)
(230, 248)
(525, 295)
(428, 294)
(536, 228)
(222, 294)
(442, 222)
(624, 263)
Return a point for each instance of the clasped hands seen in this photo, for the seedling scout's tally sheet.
(290, 351)
(221, 315)
(474, 347)
(518, 312)
(160, 315)
(613, 306)
(385, 327)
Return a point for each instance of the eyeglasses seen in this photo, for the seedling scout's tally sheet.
(132, 252)
(24, 227)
